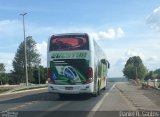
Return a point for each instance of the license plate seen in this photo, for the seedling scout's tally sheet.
(69, 88)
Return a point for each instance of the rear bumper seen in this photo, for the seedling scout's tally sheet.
(77, 89)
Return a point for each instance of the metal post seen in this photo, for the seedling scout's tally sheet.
(136, 73)
(25, 51)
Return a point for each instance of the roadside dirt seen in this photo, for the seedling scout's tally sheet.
(152, 94)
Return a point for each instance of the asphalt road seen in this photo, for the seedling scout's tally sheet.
(41, 103)
(112, 102)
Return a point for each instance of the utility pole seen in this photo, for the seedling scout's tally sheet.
(136, 73)
(38, 74)
(25, 50)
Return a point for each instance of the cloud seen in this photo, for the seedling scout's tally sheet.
(9, 26)
(6, 59)
(115, 70)
(127, 54)
(13, 29)
(149, 59)
(154, 19)
(42, 49)
(119, 59)
(133, 52)
(147, 50)
(109, 34)
(152, 59)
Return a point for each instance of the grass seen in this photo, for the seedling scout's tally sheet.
(28, 88)
(2, 90)
(14, 89)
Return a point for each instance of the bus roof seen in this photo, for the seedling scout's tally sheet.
(69, 34)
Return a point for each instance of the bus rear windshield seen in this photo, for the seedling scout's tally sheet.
(69, 42)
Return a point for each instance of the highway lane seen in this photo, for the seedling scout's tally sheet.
(117, 97)
(41, 102)
(16, 99)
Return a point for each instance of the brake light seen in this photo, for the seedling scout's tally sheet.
(90, 72)
(49, 80)
(49, 76)
(90, 75)
(49, 72)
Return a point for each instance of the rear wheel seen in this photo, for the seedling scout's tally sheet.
(95, 94)
(98, 91)
(104, 88)
(62, 96)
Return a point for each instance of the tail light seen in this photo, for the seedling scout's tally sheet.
(90, 76)
(90, 72)
(49, 72)
(49, 76)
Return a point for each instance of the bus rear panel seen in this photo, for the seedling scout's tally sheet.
(69, 67)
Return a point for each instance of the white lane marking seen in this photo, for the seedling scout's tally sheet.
(20, 106)
(96, 107)
(58, 106)
(16, 107)
(55, 108)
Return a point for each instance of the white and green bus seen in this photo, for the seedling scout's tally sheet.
(76, 64)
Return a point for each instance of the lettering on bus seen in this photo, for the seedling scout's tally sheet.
(69, 55)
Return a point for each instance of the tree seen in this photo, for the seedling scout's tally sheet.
(153, 75)
(149, 75)
(134, 68)
(158, 76)
(129, 71)
(33, 58)
(157, 71)
(3, 77)
(40, 72)
(2, 68)
(135, 60)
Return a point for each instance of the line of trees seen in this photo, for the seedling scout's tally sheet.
(3, 75)
(153, 75)
(35, 70)
(134, 69)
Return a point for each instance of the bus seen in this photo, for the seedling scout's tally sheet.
(75, 64)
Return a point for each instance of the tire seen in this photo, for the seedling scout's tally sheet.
(97, 92)
(98, 89)
(62, 96)
(104, 88)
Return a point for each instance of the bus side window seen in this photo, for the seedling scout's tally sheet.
(104, 61)
(108, 64)
(99, 69)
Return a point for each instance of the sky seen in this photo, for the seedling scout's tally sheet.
(123, 28)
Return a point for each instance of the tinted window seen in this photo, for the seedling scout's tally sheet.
(74, 42)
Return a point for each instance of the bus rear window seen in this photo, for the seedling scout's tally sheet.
(69, 42)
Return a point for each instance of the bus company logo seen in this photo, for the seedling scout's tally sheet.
(70, 73)
(65, 55)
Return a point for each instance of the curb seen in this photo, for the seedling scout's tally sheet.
(27, 90)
